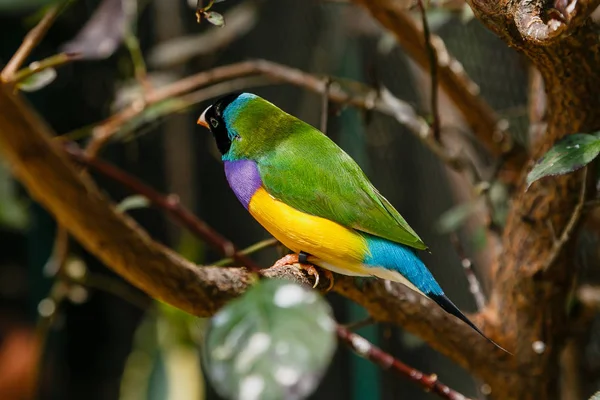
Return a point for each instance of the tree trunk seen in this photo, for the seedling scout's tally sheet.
(528, 303)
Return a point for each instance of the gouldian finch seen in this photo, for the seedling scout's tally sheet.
(314, 198)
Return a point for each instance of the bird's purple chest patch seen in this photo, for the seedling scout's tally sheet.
(243, 178)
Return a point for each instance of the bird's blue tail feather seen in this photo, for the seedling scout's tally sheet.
(404, 260)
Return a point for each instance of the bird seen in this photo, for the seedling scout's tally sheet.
(315, 199)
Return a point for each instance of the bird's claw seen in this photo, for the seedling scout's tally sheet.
(309, 268)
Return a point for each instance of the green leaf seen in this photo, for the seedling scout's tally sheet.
(567, 155)
(38, 80)
(455, 217)
(274, 342)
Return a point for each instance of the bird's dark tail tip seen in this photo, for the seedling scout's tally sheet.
(448, 306)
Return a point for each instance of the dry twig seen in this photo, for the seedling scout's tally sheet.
(366, 349)
(452, 79)
(433, 67)
(371, 99)
(570, 227)
(474, 285)
(33, 38)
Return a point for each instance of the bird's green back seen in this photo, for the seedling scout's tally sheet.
(305, 169)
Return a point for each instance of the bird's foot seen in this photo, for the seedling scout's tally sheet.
(302, 261)
(287, 260)
(314, 271)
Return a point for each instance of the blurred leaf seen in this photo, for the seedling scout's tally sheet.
(132, 203)
(567, 155)
(164, 362)
(191, 247)
(466, 14)
(437, 17)
(595, 396)
(478, 238)
(455, 217)
(13, 210)
(38, 80)
(214, 18)
(499, 195)
(274, 342)
(103, 32)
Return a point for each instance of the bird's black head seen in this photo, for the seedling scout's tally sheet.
(213, 119)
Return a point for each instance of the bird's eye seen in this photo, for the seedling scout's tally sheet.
(214, 122)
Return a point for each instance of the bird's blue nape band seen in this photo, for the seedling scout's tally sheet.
(234, 108)
(229, 115)
(402, 259)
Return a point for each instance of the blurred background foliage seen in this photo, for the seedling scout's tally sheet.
(107, 340)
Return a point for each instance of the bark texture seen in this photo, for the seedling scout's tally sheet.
(526, 313)
(529, 297)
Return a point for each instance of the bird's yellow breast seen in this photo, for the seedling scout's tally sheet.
(324, 239)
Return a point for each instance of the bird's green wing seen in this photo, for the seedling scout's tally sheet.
(311, 173)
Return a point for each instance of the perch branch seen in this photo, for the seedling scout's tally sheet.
(119, 242)
(386, 361)
(33, 38)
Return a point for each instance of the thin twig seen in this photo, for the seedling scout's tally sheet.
(33, 38)
(115, 287)
(256, 247)
(168, 203)
(49, 306)
(480, 117)
(60, 251)
(570, 227)
(55, 61)
(366, 349)
(137, 58)
(433, 67)
(474, 284)
(380, 100)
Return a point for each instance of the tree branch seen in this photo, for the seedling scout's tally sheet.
(386, 361)
(453, 80)
(540, 24)
(433, 67)
(363, 97)
(394, 303)
(123, 246)
(33, 38)
(168, 203)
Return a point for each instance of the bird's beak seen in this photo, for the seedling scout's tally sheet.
(202, 119)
